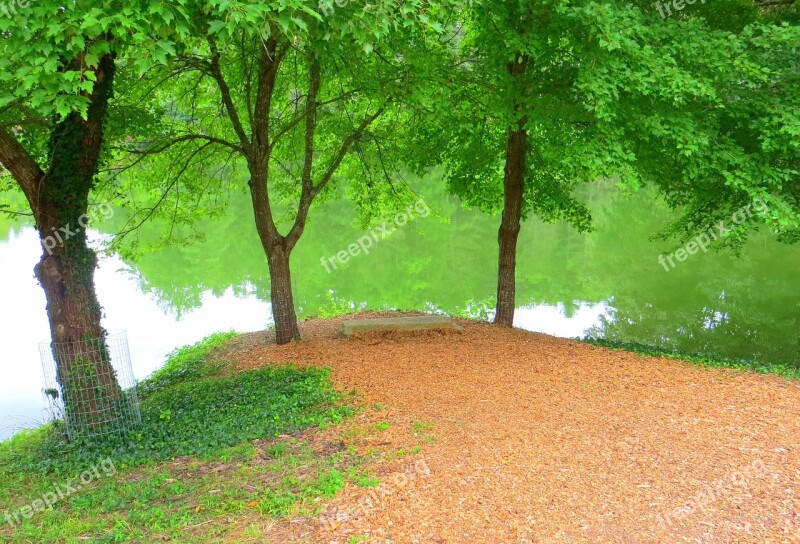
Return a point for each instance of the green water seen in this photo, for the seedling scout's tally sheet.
(607, 283)
(742, 307)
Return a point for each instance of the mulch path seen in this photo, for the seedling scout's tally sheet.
(539, 440)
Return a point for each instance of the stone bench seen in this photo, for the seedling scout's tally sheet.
(416, 323)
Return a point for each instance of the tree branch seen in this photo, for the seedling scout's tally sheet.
(225, 91)
(300, 117)
(348, 142)
(172, 184)
(187, 138)
(311, 125)
(308, 197)
(23, 167)
(268, 65)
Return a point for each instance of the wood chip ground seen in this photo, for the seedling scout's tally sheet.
(540, 440)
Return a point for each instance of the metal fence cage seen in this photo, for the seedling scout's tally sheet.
(90, 385)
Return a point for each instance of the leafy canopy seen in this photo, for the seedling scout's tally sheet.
(702, 105)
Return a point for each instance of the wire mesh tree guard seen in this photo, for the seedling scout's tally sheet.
(90, 385)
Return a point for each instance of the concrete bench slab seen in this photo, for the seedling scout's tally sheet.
(415, 323)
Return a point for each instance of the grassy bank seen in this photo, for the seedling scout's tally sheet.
(211, 450)
(710, 361)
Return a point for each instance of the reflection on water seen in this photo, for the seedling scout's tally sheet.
(607, 283)
(556, 321)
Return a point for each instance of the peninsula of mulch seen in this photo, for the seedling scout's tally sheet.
(529, 438)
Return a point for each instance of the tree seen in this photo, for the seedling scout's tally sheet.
(295, 96)
(544, 96)
(56, 86)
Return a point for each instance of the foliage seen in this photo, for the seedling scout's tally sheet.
(335, 306)
(212, 453)
(38, 38)
(186, 363)
(193, 156)
(703, 106)
(50, 51)
(166, 501)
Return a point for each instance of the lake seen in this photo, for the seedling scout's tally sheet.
(607, 283)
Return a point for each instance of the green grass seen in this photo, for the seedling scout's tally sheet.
(201, 417)
(168, 501)
(367, 480)
(210, 450)
(424, 431)
(334, 306)
(187, 363)
(710, 361)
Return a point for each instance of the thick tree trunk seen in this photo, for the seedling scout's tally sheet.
(66, 274)
(59, 199)
(89, 388)
(286, 328)
(66, 271)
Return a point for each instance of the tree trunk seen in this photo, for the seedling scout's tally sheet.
(278, 253)
(66, 270)
(59, 200)
(286, 328)
(89, 389)
(513, 192)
